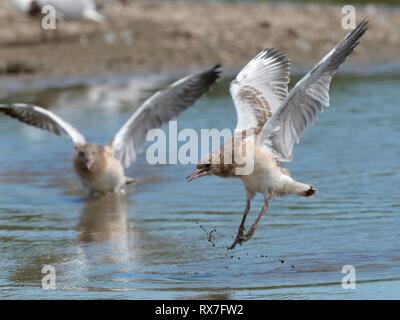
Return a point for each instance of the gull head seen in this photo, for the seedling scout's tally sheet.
(86, 155)
(202, 170)
(219, 163)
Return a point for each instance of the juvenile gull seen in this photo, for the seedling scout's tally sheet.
(100, 167)
(271, 121)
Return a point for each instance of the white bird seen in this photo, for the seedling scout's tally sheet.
(65, 9)
(100, 167)
(277, 120)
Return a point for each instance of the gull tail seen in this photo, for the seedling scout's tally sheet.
(302, 189)
(309, 192)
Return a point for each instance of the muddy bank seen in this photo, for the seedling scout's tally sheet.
(161, 36)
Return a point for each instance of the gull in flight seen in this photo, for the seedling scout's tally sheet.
(101, 167)
(276, 121)
(65, 9)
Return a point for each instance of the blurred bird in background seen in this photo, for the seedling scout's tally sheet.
(68, 10)
(101, 167)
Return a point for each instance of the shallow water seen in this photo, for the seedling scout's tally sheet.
(153, 243)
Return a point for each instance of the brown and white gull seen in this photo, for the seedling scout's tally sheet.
(271, 121)
(101, 167)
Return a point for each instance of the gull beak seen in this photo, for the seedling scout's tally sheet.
(88, 164)
(198, 173)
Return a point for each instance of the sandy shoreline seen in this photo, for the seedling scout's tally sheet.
(161, 36)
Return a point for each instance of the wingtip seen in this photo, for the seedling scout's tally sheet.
(217, 66)
(276, 54)
(353, 38)
(361, 27)
(214, 73)
(364, 21)
(217, 69)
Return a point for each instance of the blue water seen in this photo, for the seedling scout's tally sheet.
(153, 243)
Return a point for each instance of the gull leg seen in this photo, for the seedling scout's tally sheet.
(253, 228)
(239, 236)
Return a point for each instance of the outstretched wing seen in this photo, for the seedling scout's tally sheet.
(158, 109)
(43, 119)
(260, 88)
(306, 99)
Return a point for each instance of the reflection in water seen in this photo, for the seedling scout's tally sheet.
(104, 218)
(103, 231)
(104, 238)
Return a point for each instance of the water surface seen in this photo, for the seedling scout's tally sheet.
(153, 243)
